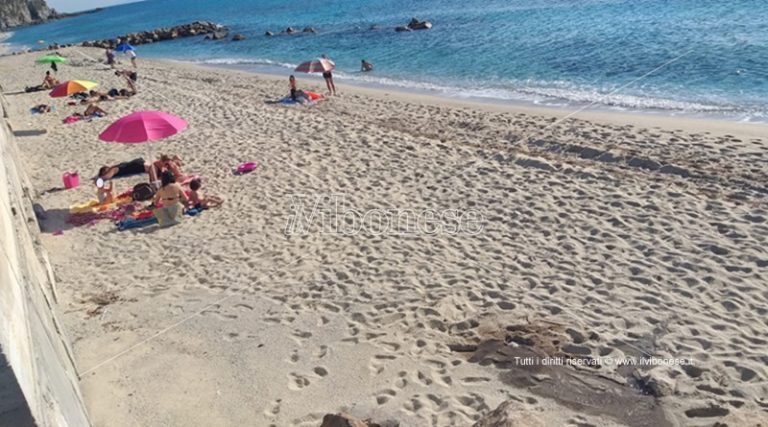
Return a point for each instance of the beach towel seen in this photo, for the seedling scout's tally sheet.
(169, 215)
(142, 220)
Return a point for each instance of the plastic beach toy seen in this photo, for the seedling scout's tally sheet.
(246, 167)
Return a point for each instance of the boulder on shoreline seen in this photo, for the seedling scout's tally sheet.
(211, 30)
(217, 35)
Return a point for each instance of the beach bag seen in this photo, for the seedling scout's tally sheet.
(142, 192)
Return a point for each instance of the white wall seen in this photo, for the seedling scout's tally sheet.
(31, 338)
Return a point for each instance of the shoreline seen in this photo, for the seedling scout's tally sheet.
(512, 104)
(714, 126)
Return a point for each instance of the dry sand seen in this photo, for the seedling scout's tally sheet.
(608, 237)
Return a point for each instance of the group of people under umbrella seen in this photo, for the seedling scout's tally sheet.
(170, 198)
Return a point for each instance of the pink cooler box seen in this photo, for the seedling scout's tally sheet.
(71, 180)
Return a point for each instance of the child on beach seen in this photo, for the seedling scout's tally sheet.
(110, 58)
(200, 201)
(104, 191)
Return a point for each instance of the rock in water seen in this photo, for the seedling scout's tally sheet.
(238, 37)
(309, 30)
(402, 28)
(269, 34)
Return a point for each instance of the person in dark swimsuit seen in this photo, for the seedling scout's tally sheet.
(133, 167)
(328, 76)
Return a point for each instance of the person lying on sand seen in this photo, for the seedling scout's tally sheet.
(42, 108)
(49, 82)
(200, 201)
(306, 97)
(92, 110)
(120, 94)
(133, 167)
(94, 97)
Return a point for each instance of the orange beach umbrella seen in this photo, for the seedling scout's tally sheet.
(72, 86)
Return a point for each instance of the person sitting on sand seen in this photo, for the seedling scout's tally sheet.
(198, 200)
(292, 84)
(170, 192)
(168, 163)
(104, 191)
(366, 66)
(130, 78)
(133, 167)
(49, 82)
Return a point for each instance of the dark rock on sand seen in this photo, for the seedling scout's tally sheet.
(345, 420)
(238, 37)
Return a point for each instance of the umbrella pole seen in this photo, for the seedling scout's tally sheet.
(156, 182)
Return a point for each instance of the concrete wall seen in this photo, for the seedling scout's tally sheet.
(31, 339)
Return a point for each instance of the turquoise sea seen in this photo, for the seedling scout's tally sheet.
(699, 57)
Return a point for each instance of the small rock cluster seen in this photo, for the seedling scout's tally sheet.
(414, 24)
(291, 30)
(196, 28)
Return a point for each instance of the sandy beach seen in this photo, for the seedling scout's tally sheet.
(599, 236)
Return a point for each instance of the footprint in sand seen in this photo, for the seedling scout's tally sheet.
(320, 352)
(384, 396)
(297, 382)
(273, 409)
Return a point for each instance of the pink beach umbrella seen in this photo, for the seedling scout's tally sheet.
(143, 126)
(316, 66)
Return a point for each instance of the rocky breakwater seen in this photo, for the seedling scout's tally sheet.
(196, 28)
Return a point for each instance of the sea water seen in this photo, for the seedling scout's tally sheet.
(701, 57)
